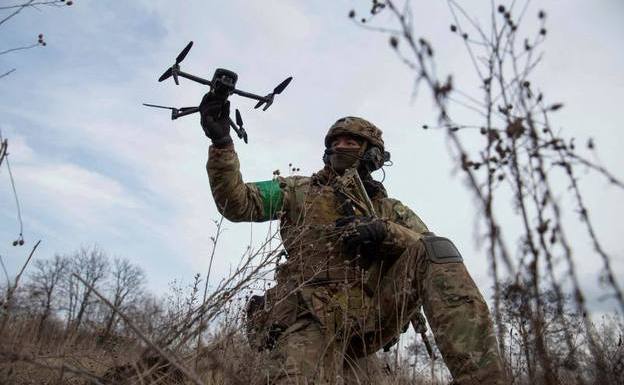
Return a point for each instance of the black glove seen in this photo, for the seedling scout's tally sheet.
(215, 119)
(362, 231)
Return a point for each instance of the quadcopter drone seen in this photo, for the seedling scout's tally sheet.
(223, 84)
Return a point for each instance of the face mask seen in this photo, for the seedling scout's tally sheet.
(344, 158)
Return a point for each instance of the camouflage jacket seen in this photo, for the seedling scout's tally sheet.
(307, 208)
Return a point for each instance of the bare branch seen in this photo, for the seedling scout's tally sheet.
(34, 4)
(7, 73)
(187, 372)
(18, 10)
(19, 48)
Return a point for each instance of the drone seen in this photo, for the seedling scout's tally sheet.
(223, 84)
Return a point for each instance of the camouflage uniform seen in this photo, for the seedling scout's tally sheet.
(328, 312)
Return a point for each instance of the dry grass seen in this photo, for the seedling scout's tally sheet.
(226, 358)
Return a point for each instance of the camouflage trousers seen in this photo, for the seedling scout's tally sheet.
(307, 355)
(335, 342)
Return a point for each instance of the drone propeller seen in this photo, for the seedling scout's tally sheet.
(173, 70)
(165, 75)
(280, 87)
(268, 100)
(239, 119)
(184, 52)
(157, 106)
(240, 130)
(175, 112)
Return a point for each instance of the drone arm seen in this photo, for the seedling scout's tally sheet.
(249, 95)
(268, 103)
(194, 78)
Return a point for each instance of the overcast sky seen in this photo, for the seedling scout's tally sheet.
(93, 166)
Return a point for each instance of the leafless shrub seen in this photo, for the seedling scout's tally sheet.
(513, 147)
(155, 341)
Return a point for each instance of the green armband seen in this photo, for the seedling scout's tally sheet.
(272, 197)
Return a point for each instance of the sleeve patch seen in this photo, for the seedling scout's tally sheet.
(441, 250)
(272, 197)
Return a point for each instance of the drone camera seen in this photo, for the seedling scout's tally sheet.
(224, 82)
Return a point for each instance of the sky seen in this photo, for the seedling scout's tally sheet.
(93, 166)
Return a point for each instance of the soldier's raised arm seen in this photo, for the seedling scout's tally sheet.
(236, 200)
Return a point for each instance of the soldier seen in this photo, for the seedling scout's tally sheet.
(360, 265)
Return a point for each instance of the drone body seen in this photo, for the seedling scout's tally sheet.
(223, 84)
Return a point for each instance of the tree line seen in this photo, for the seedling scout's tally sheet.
(53, 300)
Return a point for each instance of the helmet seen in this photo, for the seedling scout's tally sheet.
(374, 156)
(357, 127)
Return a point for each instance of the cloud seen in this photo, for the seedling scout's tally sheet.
(77, 191)
(67, 191)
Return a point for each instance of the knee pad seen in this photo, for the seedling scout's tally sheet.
(441, 250)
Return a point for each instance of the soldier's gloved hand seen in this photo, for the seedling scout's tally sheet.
(362, 231)
(215, 119)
